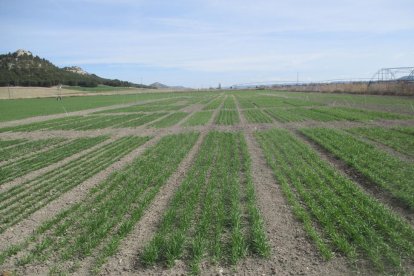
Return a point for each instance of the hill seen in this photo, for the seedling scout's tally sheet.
(22, 68)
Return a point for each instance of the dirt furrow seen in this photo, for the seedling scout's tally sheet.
(124, 262)
(23, 229)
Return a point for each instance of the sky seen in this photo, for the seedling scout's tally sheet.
(201, 43)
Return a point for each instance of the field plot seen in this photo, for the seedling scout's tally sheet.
(25, 165)
(170, 120)
(387, 171)
(398, 140)
(227, 117)
(256, 116)
(108, 213)
(216, 182)
(349, 221)
(20, 201)
(199, 118)
(213, 215)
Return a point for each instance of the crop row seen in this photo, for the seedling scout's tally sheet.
(262, 101)
(213, 215)
(227, 117)
(256, 116)
(199, 118)
(7, 144)
(400, 141)
(335, 212)
(169, 120)
(387, 171)
(229, 103)
(24, 165)
(96, 226)
(20, 201)
(26, 147)
(214, 104)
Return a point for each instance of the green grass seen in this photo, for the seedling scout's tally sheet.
(337, 215)
(387, 171)
(256, 116)
(169, 120)
(227, 117)
(34, 162)
(198, 118)
(96, 226)
(213, 215)
(399, 141)
(20, 201)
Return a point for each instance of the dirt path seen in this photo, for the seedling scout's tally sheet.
(124, 262)
(22, 230)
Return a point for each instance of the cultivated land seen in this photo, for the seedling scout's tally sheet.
(215, 182)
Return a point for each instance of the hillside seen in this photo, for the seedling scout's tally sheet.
(22, 68)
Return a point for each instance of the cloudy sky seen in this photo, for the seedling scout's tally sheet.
(201, 43)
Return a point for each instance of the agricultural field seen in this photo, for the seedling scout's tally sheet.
(207, 183)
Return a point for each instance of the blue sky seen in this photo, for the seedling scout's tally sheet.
(203, 43)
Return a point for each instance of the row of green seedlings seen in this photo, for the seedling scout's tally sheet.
(399, 141)
(96, 226)
(169, 120)
(213, 214)
(336, 214)
(244, 102)
(328, 114)
(214, 104)
(23, 147)
(18, 202)
(229, 103)
(34, 162)
(387, 171)
(8, 144)
(198, 118)
(256, 116)
(227, 117)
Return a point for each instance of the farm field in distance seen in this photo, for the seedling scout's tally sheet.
(246, 182)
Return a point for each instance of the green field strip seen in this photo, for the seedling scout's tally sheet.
(407, 130)
(227, 117)
(214, 104)
(141, 120)
(198, 118)
(107, 121)
(23, 166)
(20, 201)
(213, 215)
(284, 115)
(169, 120)
(256, 116)
(245, 102)
(162, 105)
(353, 114)
(385, 170)
(108, 213)
(8, 144)
(229, 103)
(336, 214)
(28, 148)
(272, 101)
(42, 125)
(399, 141)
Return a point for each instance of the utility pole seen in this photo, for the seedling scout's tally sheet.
(297, 78)
(8, 89)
